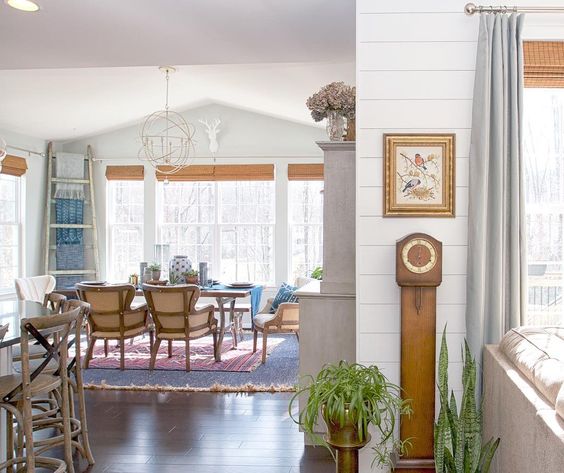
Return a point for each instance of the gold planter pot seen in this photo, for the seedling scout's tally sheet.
(346, 442)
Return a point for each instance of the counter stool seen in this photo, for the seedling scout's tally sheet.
(18, 390)
(49, 414)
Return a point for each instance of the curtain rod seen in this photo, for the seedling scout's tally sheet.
(24, 150)
(471, 8)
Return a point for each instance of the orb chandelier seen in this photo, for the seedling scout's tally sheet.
(167, 139)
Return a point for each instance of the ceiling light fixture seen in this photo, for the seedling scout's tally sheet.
(23, 5)
(166, 137)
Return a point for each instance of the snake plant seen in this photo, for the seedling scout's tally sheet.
(458, 435)
(361, 393)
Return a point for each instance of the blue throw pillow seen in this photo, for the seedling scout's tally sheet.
(285, 294)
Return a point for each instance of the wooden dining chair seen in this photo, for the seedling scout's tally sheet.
(113, 316)
(286, 319)
(18, 391)
(48, 409)
(3, 331)
(35, 288)
(174, 312)
(54, 301)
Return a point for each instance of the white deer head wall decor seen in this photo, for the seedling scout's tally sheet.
(212, 130)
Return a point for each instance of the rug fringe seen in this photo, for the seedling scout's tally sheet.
(217, 388)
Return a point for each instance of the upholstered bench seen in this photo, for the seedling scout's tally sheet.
(524, 399)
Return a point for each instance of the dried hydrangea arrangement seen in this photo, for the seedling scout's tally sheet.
(334, 97)
(335, 101)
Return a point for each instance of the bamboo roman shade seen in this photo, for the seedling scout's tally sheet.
(13, 166)
(220, 172)
(125, 173)
(544, 63)
(305, 172)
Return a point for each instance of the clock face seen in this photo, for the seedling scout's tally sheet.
(419, 255)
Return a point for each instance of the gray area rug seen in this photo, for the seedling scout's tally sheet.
(279, 373)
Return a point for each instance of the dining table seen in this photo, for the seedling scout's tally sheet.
(226, 298)
(11, 313)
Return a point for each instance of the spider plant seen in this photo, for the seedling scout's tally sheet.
(351, 397)
(458, 435)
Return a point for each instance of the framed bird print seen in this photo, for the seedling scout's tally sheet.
(419, 175)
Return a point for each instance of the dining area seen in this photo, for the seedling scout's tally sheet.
(50, 340)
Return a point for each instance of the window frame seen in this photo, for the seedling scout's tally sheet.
(292, 225)
(18, 224)
(217, 226)
(110, 225)
(541, 286)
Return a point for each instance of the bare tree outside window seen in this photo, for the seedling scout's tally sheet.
(228, 224)
(125, 228)
(306, 227)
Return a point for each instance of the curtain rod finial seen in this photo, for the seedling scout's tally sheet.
(470, 8)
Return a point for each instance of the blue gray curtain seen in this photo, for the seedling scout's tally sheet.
(497, 268)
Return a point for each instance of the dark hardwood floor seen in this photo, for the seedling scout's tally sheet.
(142, 432)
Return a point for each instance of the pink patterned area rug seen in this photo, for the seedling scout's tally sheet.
(138, 355)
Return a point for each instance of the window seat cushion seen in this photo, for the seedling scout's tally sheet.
(538, 353)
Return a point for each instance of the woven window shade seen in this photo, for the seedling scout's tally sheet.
(221, 172)
(13, 166)
(305, 172)
(544, 63)
(125, 173)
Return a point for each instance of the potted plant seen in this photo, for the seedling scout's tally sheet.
(317, 273)
(351, 397)
(134, 279)
(173, 280)
(155, 269)
(335, 101)
(458, 435)
(191, 276)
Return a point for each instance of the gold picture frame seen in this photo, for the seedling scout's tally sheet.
(419, 178)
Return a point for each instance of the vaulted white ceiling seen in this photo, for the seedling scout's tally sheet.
(65, 104)
(78, 68)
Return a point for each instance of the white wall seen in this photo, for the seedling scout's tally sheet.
(33, 193)
(245, 137)
(415, 72)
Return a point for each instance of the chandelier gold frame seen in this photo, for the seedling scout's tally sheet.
(166, 137)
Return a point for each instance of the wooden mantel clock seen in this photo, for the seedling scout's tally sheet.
(418, 272)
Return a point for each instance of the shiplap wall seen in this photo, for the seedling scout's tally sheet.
(415, 73)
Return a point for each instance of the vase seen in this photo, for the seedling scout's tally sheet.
(156, 274)
(345, 439)
(335, 125)
(177, 266)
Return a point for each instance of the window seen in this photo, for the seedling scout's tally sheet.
(543, 148)
(125, 228)
(229, 224)
(187, 217)
(9, 231)
(306, 227)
